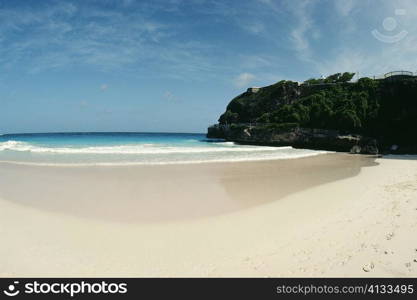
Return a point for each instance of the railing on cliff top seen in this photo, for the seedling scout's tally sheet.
(384, 76)
(253, 124)
(398, 73)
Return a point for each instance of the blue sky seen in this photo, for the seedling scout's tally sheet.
(173, 65)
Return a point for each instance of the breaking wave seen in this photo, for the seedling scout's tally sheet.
(23, 152)
(131, 149)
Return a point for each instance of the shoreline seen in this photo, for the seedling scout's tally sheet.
(191, 162)
(351, 224)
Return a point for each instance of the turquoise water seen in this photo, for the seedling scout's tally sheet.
(133, 148)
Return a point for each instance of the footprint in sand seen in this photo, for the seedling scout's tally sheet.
(408, 266)
(375, 247)
(389, 236)
(368, 267)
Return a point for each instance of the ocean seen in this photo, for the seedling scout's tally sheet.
(107, 148)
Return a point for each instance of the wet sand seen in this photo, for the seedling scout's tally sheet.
(170, 192)
(329, 215)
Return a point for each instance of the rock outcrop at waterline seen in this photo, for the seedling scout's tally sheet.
(367, 116)
(319, 139)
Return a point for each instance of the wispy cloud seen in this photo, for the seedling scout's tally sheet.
(344, 7)
(253, 27)
(59, 35)
(314, 36)
(303, 30)
(244, 79)
(359, 51)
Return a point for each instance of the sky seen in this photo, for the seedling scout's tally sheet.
(173, 65)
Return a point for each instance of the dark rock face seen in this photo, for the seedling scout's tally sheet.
(310, 138)
(347, 113)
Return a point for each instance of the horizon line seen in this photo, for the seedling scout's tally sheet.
(86, 132)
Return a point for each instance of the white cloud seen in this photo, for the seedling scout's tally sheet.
(290, 38)
(344, 7)
(254, 28)
(244, 79)
(256, 61)
(269, 2)
(303, 29)
(104, 87)
(359, 51)
(60, 35)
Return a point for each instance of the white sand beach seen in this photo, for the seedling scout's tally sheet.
(328, 215)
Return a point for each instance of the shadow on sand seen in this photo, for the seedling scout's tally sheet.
(163, 193)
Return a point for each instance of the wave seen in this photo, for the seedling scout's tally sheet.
(143, 154)
(176, 162)
(134, 149)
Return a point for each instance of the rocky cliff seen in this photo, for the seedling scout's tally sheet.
(320, 139)
(334, 115)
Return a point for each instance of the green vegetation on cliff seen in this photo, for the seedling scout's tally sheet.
(384, 109)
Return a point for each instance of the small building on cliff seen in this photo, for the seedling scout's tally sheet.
(253, 89)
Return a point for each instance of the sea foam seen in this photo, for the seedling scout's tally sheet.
(116, 150)
(130, 149)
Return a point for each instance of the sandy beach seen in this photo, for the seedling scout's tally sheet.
(327, 215)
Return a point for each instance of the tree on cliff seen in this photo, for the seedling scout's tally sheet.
(339, 77)
(386, 108)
